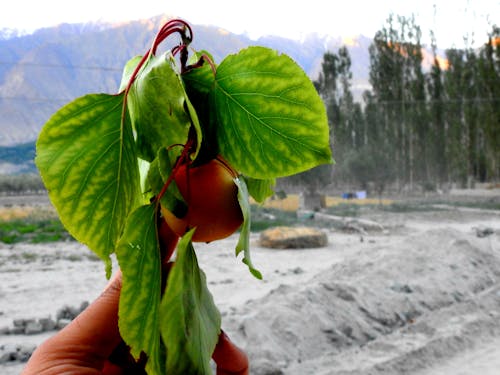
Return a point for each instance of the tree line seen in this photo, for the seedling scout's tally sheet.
(417, 127)
(27, 183)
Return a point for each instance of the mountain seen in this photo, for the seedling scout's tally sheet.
(41, 72)
(18, 158)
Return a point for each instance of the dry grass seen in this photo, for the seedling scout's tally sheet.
(291, 202)
(335, 201)
(27, 212)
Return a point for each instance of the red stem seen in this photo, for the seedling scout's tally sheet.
(183, 158)
(172, 26)
(207, 58)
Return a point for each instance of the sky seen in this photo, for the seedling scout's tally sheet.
(450, 19)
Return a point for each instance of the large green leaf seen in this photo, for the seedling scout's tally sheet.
(190, 323)
(139, 258)
(270, 120)
(86, 156)
(159, 108)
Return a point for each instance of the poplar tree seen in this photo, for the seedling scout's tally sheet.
(489, 81)
(438, 134)
(398, 85)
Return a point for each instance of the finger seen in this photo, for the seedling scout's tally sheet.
(230, 359)
(111, 369)
(87, 341)
(97, 325)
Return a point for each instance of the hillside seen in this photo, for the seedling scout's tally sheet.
(17, 158)
(41, 72)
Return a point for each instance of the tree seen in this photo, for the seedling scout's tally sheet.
(326, 85)
(415, 128)
(489, 87)
(455, 86)
(399, 89)
(370, 167)
(438, 148)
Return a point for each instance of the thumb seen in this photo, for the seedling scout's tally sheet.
(84, 343)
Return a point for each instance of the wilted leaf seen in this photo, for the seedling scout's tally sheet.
(244, 240)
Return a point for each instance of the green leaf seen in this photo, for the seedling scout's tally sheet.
(138, 254)
(200, 79)
(260, 189)
(270, 119)
(128, 70)
(87, 159)
(199, 83)
(190, 324)
(244, 240)
(156, 103)
(159, 173)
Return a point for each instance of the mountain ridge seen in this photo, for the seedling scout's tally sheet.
(42, 71)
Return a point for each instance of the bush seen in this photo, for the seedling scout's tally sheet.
(344, 210)
(264, 218)
(369, 166)
(19, 184)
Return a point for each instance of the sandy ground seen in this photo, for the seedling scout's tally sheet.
(422, 297)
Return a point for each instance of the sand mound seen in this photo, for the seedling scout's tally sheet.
(395, 309)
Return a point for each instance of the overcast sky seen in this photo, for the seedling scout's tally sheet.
(450, 19)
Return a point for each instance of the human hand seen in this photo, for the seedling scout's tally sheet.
(91, 344)
(87, 344)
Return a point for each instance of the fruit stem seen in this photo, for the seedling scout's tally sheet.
(182, 159)
(172, 26)
(203, 58)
